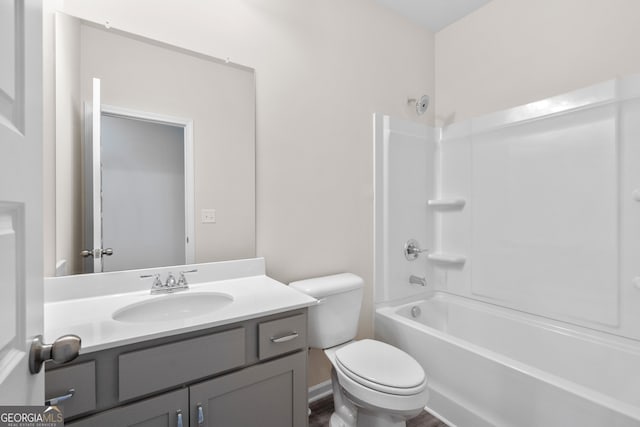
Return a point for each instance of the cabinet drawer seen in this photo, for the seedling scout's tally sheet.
(157, 368)
(282, 336)
(81, 378)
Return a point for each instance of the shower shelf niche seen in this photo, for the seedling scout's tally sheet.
(446, 203)
(445, 258)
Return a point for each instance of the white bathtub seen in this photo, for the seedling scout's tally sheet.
(491, 366)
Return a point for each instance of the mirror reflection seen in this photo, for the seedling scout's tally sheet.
(174, 135)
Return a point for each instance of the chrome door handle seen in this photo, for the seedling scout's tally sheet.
(286, 337)
(64, 349)
(57, 400)
(96, 253)
(107, 252)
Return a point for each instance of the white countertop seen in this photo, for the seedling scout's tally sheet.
(90, 316)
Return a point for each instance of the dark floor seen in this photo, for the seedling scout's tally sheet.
(321, 413)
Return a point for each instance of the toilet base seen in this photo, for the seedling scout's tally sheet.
(345, 411)
(365, 419)
(349, 415)
(336, 421)
(378, 420)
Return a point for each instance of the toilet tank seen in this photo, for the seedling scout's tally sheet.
(334, 319)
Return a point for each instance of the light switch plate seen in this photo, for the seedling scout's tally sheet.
(208, 216)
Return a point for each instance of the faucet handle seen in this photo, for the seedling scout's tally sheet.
(156, 280)
(412, 250)
(182, 281)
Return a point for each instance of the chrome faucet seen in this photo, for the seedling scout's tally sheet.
(417, 280)
(170, 285)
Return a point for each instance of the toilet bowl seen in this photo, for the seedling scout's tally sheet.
(380, 381)
(374, 384)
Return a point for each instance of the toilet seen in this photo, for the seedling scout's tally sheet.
(374, 384)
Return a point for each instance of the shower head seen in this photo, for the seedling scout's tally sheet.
(421, 104)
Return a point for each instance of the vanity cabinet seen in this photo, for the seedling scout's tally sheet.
(262, 395)
(167, 410)
(251, 373)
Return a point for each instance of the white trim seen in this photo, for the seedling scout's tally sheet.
(320, 391)
(379, 256)
(189, 189)
(61, 268)
(144, 115)
(189, 194)
(96, 178)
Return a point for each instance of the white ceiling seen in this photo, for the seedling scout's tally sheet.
(434, 14)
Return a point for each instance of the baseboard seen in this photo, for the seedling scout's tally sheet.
(319, 391)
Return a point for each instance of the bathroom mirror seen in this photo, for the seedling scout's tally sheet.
(154, 80)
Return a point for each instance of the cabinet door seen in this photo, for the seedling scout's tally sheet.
(166, 410)
(272, 394)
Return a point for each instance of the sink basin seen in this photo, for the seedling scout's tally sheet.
(173, 307)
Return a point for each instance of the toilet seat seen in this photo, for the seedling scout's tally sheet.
(381, 367)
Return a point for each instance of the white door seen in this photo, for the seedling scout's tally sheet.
(138, 190)
(21, 255)
(143, 193)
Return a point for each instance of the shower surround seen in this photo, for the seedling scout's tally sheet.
(532, 213)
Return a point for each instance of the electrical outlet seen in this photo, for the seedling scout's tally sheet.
(208, 216)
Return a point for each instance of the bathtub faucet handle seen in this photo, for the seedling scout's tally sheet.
(417, 280)
(412, 250)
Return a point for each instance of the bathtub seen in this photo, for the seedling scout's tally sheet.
(492, 366)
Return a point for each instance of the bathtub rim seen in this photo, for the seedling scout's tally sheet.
(577, 331)
(596, 397)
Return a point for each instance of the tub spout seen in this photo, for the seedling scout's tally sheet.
(417, 280)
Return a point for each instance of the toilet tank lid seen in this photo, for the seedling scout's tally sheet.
(319, 287)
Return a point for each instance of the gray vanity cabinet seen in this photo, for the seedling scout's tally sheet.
(251, 373)
(161, 411)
